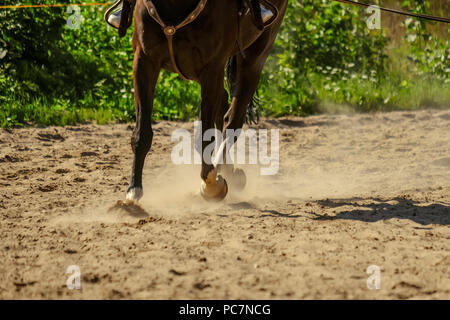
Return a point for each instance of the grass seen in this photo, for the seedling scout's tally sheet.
(387, 95)
(58, 112)
(401, 89)
(405, 88)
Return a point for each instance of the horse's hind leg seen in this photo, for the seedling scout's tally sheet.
(246, 78)
(247, 75)
(221, 111)
(146, 73)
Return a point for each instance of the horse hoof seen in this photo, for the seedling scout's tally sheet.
(134, 194)
(238, 179)
(216, 191)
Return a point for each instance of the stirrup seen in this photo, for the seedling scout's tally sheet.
(263, 12)
(112, 15)
(114, 19)
(122, 18)
(266, 14)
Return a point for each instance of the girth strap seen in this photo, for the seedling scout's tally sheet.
(170, 31)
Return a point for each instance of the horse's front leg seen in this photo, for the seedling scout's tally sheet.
(213, 186)
(145, 76)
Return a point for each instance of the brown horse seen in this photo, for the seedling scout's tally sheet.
(202, 49)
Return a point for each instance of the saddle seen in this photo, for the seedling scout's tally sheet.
(252, 7)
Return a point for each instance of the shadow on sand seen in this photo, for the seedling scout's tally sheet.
(376, 210)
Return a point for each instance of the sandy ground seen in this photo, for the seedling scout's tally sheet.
(352, 191)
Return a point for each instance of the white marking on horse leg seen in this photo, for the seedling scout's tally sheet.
(135, 194)
(227, 142)
(219, 153)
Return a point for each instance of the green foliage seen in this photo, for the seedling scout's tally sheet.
(324, 56)
(320, 37)
(80, 74)
(36, 61)
(431, 55)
